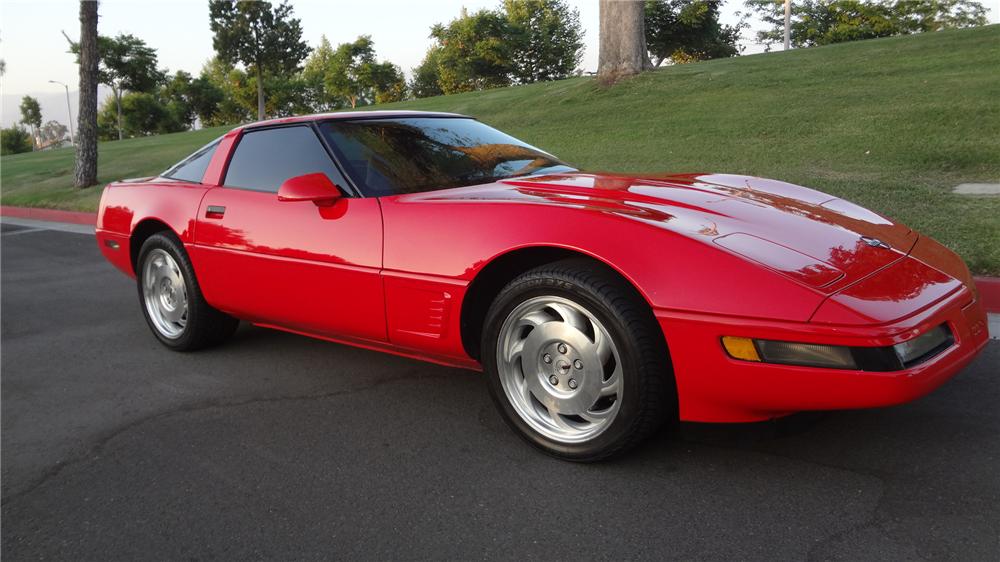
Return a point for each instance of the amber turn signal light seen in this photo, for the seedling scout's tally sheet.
(740, 348)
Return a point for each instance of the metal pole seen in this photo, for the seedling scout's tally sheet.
(788, 23)
(72, 135)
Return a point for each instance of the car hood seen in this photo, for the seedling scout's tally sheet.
(821, 241)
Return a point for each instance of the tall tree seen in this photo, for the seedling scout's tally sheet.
(186, 98)
(31, 115)
(387, 81)
(474, 52)
(232, 82)
(427, 76)
(314, 73)
(622, 40)
(264, 38)
(351, 73)
(821, 22)
(127, 65)
(689, 30)
(548, 39)
(53, 131)
(85, 174)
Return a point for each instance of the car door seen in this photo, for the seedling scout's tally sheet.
(290, 264)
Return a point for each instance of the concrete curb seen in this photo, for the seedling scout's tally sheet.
(52, 215)
(989, 287)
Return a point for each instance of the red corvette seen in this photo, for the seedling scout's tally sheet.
(599, 305)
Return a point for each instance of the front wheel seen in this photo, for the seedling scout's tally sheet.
(171, 298)
(576, 362)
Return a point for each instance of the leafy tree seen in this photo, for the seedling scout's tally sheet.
(267, 40)
(85, 173)
(127, 64)
(187, 98)
(31, 113)
(547, 38)
(143, 114)
(289, 95)
(689, 30)
(427, 76)
(822, 22)
(53, 131)
(387, 82)
(314, 75)
(233, 84)
(351, 73)
(15, 140)
(347, 76)
(474, 52)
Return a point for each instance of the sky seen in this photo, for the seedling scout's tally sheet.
(34, 49)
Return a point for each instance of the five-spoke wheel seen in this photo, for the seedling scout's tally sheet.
(171, 298)
(164, 293)
(560, 369)
(576, 362)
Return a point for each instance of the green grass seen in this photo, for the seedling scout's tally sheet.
(45, 179)
(892, 124)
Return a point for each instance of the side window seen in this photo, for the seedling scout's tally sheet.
(265, 159)
(193, 167)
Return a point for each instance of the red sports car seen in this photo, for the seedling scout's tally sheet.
(599, 305)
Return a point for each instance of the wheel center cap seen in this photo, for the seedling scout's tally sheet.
(563, 367)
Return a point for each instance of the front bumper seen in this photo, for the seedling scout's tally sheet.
(712, 387)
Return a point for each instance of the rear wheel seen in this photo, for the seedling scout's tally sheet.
(577, 364)
(171, 300)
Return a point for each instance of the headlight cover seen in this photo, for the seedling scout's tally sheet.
(925, 345)
(806, 354)
(890, 358)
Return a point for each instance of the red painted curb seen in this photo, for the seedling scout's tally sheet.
(54, 215)
(989, 293)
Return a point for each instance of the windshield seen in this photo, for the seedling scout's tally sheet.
(415, 154)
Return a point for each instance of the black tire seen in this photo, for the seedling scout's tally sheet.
(205, 326)
(650, 396)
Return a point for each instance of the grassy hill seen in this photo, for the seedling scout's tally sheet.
(892, 124)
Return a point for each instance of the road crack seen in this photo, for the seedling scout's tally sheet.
(101, 442)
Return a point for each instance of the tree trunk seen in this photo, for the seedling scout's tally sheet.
(260, 93)
(86, 147)
(622, 40)
(118, 101)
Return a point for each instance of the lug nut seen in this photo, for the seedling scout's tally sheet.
(572, 383)
(547, 358)
(555, 380)
(562, 348)
(578, 364)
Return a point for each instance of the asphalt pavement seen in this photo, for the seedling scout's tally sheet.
(276, 446)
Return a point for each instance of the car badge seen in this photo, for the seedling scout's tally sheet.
(874, 242)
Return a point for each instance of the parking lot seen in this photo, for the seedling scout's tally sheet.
(281, 447)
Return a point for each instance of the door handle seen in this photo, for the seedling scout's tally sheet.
(214, 212)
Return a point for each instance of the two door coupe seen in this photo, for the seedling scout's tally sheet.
(599, 305)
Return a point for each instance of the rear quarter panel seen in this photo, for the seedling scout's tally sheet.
(124, 205)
